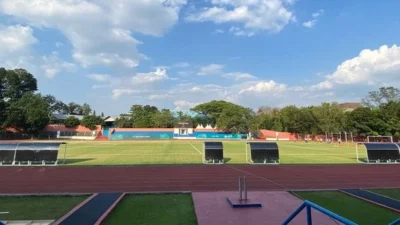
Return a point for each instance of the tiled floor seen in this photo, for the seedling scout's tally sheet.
(212, 208)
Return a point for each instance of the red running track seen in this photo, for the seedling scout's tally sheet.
(68, 179)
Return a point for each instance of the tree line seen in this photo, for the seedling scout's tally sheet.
(23, 108)
(377, 114)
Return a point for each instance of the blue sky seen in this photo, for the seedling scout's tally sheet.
(179, 53)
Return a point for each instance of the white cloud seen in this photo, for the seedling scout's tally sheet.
(211, 69)
(59, 44)
(99, 77)
(219, 31)
(52, 65)
(240, 32)
(370, 67)
(184, 105)
(182, 65)
(265, 87)
(159, 97)
(311, 23)
(239, 76)
(152, 77)
(317, 14)
(253, 15)
(99, 31)
(15, 39)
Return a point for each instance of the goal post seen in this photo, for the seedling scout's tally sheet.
(380, 139)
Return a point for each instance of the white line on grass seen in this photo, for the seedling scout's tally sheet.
(195, 148)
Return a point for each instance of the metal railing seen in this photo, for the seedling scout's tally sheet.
(309, 205)
(396, 222)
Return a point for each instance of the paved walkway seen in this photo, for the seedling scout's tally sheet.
(212, 208)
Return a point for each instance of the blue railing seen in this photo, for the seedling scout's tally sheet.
(396, 222)
(309, 205)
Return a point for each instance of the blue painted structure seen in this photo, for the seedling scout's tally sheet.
(396, 222)
(131, 135)
(309, 205)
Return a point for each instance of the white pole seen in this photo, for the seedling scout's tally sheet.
(246, 154)
(357, 152)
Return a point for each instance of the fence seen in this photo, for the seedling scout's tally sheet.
(45, 135)
(310, 205)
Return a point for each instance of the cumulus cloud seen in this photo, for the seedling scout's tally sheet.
(211, 69)
(240, 32)
(370, 67)
(99, 77)
(52, 65)
(184, 105)
(253, 15)
(152, 77)
(311, 23)
(239, 76)
(265, 87)
(15, 39)
(99, 31)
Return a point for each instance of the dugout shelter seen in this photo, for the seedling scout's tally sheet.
(28, 153)
(263, 152)
(381, 152)
(213, 153)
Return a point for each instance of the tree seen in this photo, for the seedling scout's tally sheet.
(383, 96)
(71, 122)
(123, 122)
(30, 113)
(236, 119)
(16, 83)
(141, 115)
(86, 109)
(212, 110)
(73, 108)
(102, 114)
(56, 106)
(163, 119)
(91, 121)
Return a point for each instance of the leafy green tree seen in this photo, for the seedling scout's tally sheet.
(163, 119)
(16, 83)
(91, 121)
(236, 119)
(74, 108)
(142, 115)
(123, 122)
(86, 109)
(385, 95)
(71, 122)
(30, 113)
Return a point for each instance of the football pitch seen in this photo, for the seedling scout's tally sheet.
(191, 152)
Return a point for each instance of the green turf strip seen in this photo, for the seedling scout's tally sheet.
(191, 152)
(351, 208)
(37, 207)
(392, 193)
(169, 209)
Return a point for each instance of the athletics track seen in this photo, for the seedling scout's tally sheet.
(91, 179)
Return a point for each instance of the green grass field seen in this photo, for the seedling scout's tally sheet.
(351, 208)
(190, 152)
(392, 193)
(37, 207)
(171, 209)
